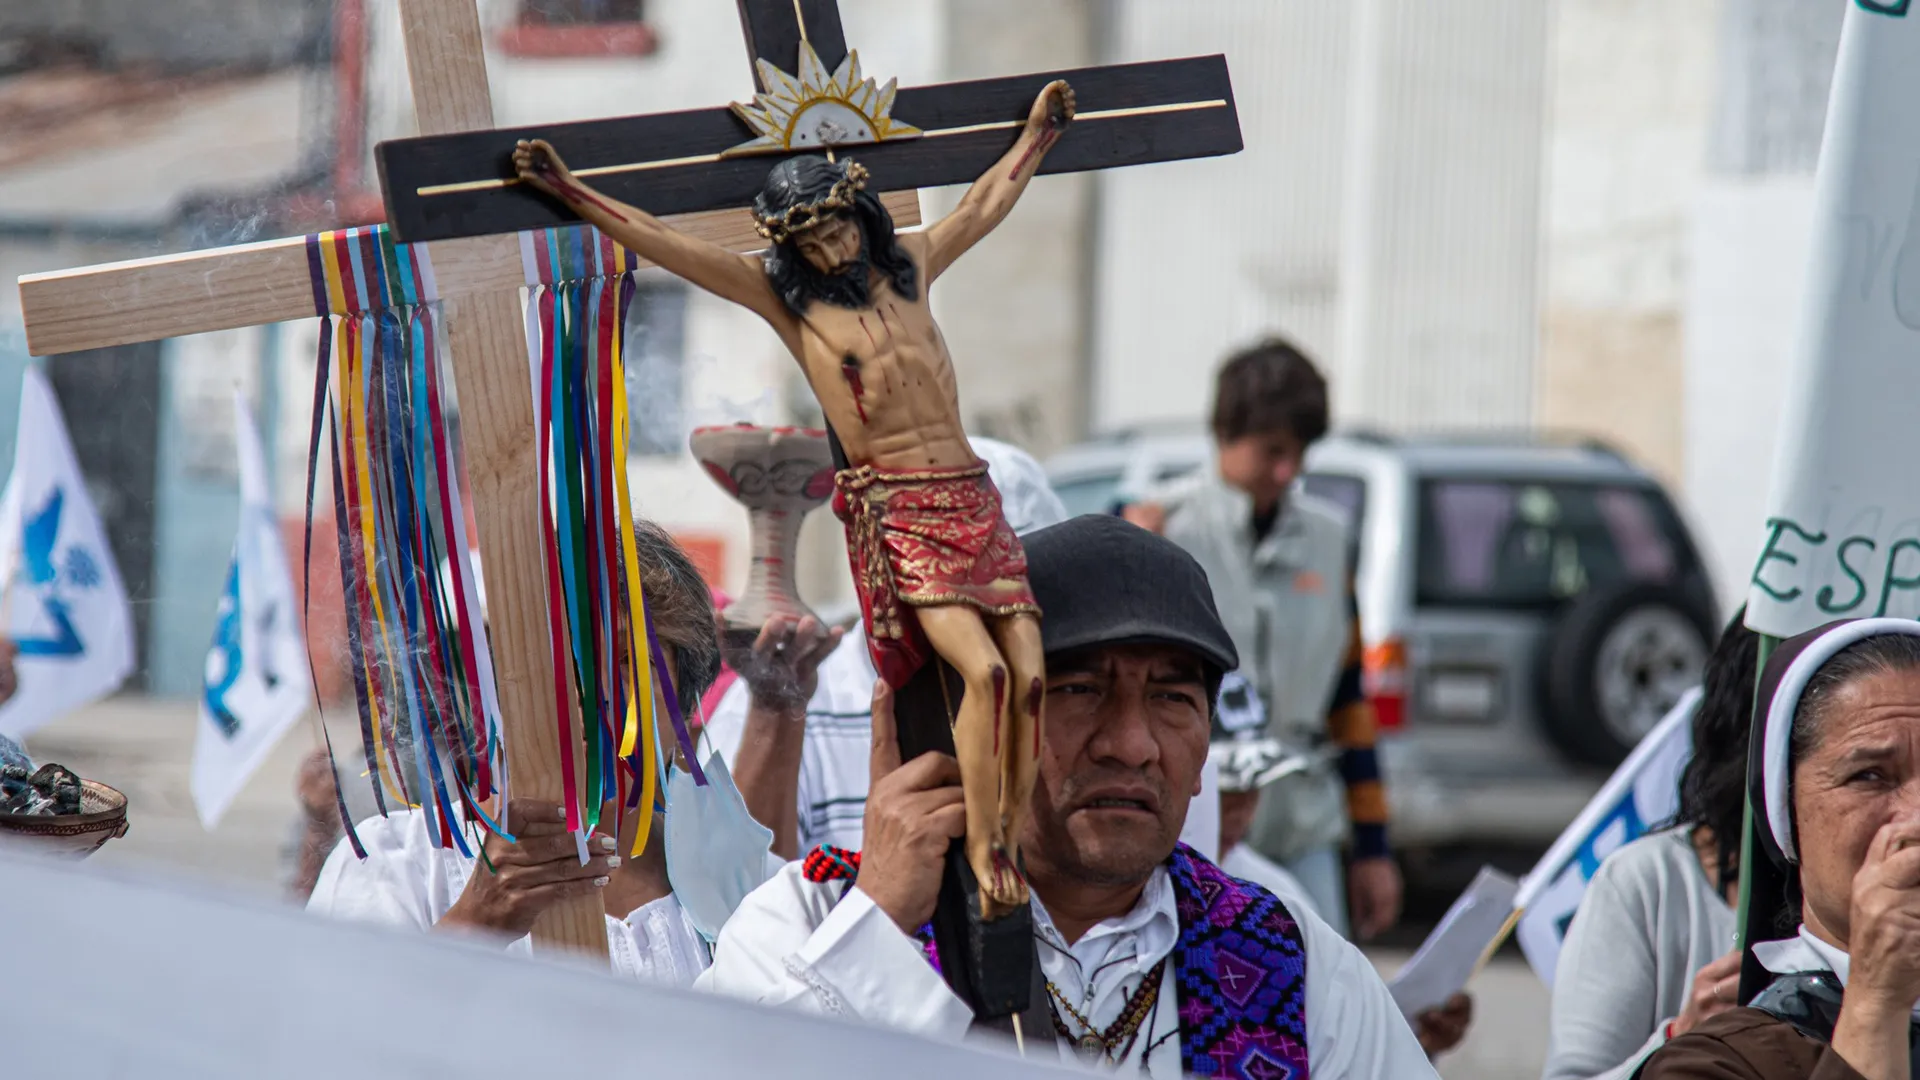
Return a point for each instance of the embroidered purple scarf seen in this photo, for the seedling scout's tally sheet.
(1240, 969)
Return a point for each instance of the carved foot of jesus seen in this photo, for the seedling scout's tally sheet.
(996, 737)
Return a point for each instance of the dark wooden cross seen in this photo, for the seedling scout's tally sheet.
(462, 184)
(441, 187)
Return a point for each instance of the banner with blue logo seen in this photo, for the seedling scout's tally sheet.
(1642, 794)
(256, 683)
(61, 598)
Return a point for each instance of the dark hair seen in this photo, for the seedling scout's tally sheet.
(1270, 386)
(804, 181)
(1880, 654)
(682, 611)
(1713, 787)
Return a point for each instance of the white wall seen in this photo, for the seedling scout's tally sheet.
(1749, 242)
(1384, 213)
(1632, 106)
(1749, 246)
(1197, 257)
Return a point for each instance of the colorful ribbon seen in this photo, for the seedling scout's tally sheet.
(422, 672)
(417, 646)
(611, 673)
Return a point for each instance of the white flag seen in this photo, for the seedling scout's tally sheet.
(1842, 536)
(62, 601)
(1642, 794)
(256, 683)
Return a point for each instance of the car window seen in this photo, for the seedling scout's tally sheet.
(1517, 543)
(1088, 494)
(1349, 493)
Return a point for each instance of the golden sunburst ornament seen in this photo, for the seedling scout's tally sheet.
(817, 111)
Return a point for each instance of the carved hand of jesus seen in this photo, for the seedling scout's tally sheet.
(848, 298)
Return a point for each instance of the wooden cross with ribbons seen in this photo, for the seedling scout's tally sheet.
(813, 96)
(452, 190)
(478, 281)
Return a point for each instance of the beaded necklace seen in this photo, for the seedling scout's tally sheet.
(1116, 1042)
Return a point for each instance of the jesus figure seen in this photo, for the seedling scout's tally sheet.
(933, 558)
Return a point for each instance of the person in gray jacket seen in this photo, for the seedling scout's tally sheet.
(1279, 563)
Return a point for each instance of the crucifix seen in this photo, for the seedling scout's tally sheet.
(939, 573)
(478, 281)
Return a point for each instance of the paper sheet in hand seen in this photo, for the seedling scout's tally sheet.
(1449, 956)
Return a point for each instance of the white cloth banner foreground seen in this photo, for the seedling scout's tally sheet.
(1842, 536)
(256, 683)
(1642, 793)
(209, 987)
(61, 598)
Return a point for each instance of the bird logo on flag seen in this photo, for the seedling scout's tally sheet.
(224, 658)
(229, 655)
(50, 582)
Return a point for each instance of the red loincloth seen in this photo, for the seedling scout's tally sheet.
(926, 539)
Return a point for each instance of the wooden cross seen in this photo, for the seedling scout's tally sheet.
(479, 281)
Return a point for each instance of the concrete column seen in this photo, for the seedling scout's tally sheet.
(1440, 260)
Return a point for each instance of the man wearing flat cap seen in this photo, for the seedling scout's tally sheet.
(1154, 958)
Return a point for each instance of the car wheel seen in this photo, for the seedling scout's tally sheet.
(1616, 662)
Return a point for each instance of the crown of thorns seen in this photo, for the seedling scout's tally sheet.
(804, 216)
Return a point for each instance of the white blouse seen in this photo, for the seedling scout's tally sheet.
(797, 943)
(405, 881)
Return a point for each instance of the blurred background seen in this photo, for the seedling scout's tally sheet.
(1511, 223)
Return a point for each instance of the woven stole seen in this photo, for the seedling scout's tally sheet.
(1240, 969)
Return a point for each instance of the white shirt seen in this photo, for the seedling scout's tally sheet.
(1249, 865)
(791, 944)
(837, 749)
(1804, 952)
(1650, 920)
(405, 881)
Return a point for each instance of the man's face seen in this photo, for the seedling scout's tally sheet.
(1264, 465)
(831, 246)
(1126, 734)
(1862, 773)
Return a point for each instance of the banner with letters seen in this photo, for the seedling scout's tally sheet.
(1842, 535)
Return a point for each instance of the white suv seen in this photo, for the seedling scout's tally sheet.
(1530, 610)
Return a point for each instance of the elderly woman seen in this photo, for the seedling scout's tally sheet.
(1838, 797)
(407, 881)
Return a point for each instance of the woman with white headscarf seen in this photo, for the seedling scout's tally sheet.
(1836, 789)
